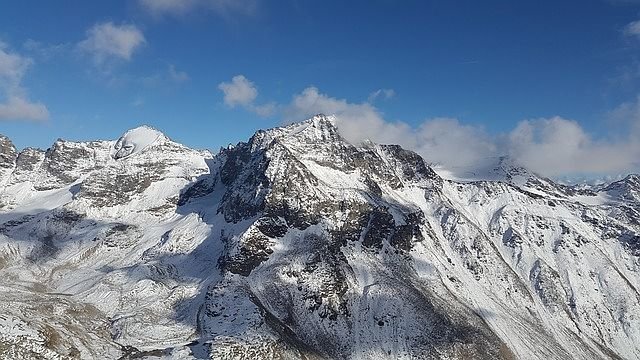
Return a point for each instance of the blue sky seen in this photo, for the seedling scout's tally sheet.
(502, 73)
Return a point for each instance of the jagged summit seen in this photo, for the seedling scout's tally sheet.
(318, 121)
(320, 128)
(7, 152)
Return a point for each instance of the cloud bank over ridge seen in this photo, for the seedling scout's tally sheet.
(554, 147)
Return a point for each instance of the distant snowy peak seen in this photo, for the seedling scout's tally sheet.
(136, 140)
(627, 189)
(503, 169)
(506, 170)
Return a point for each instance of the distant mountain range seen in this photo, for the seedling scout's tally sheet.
(299, 245)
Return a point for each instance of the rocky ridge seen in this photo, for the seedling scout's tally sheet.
(297, 244)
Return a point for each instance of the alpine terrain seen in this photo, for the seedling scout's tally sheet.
(299, 245)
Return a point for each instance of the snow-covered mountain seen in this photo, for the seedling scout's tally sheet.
(299, 245)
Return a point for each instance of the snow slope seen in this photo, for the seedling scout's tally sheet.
(297, 244)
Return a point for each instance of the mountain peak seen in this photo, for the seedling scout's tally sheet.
(324, 120)
(627, 189)
(303, 243)
(317, 129)
(320, 127)
(136, 140)
(317, 123)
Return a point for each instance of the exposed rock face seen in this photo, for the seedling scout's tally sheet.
(28, 162)
(297, 244)
(7, 158)
(65, 162)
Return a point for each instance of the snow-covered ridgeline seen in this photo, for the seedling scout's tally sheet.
(298, 244)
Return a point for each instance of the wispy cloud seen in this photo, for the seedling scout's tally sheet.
(164, 7)
(623, 2)
(384, 94)
(108, 41)
(137, 102)
(12, 67)
(264, 110)
(45, 51)
(633, 29)
(16, 105)
(161, 8)
(177, 75)
(162, 78)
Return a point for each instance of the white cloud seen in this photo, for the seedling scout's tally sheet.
(240, 91)
(454, 145)
(558, 146)
(633, 29)
(628, 115)
(551, 147)
(243, 92)
(437, 140)
(159, 8)
(16, 105)
(18, 108)
(109, 41)
(357, 122)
